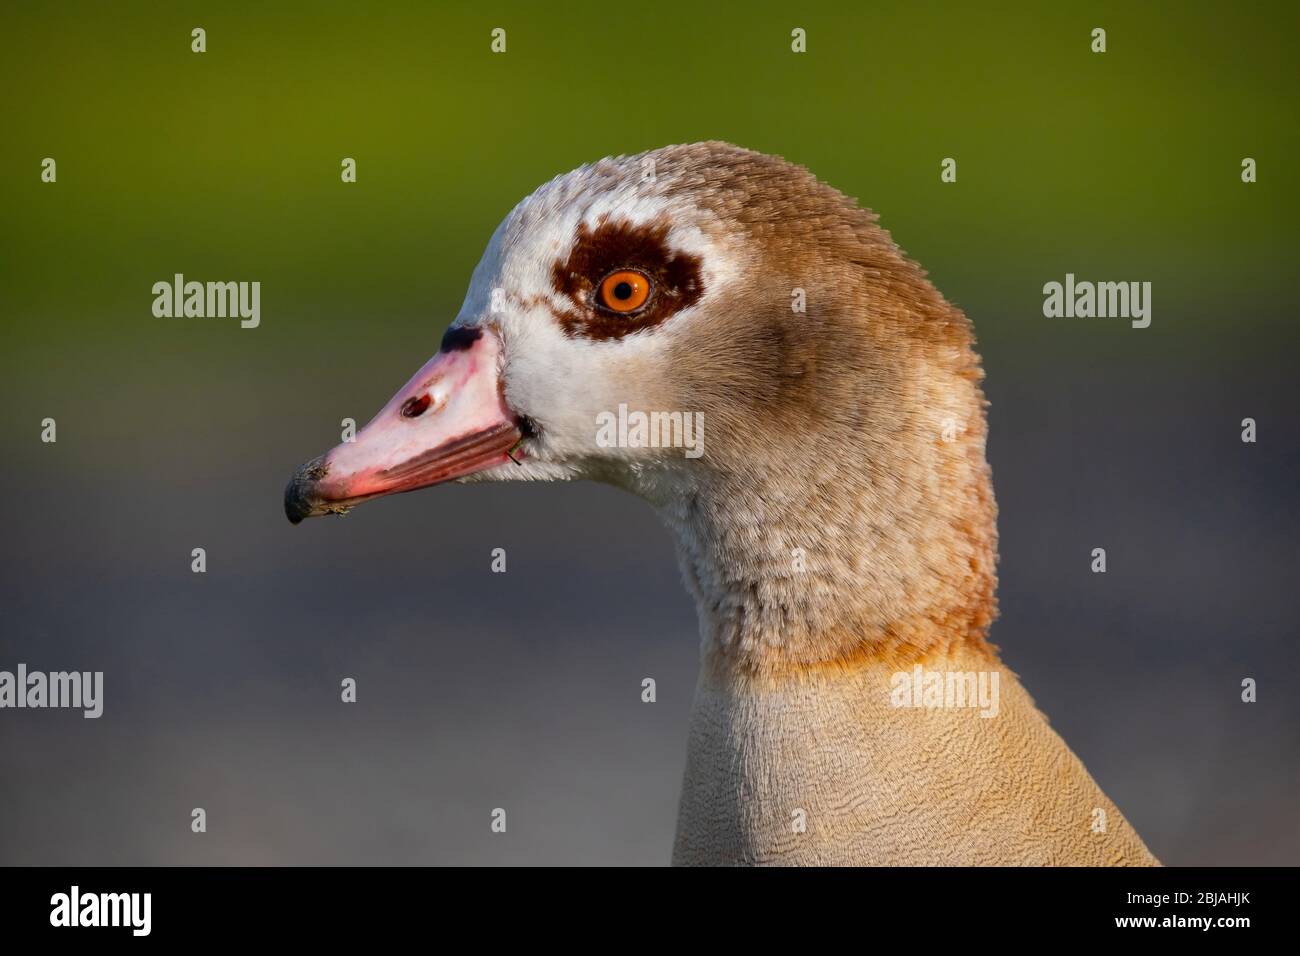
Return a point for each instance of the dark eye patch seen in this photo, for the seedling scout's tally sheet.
(609, 247)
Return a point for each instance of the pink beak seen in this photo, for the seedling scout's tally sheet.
(450, 420)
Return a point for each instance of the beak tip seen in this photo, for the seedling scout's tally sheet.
(300, 498)
(296, 505)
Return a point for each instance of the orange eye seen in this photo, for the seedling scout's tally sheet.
(624, 291)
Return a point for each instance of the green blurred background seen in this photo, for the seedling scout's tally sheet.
(176, 432)
(1123, 164)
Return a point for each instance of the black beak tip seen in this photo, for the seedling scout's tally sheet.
(296, 504)
(299, 494)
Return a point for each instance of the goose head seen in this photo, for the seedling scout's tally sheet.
(819, 453)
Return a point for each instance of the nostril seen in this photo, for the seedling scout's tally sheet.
(414, 407)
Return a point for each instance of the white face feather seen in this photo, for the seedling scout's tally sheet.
(565, 382)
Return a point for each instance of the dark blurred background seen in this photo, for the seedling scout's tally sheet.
(522, 690)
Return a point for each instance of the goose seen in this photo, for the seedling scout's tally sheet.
(836, 528)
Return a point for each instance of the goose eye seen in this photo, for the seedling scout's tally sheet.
(624, 291)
